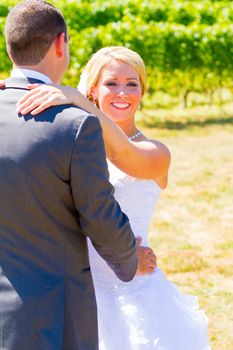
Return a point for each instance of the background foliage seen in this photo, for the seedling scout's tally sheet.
(186, 45)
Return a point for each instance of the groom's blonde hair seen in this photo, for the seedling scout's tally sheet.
(104, 57)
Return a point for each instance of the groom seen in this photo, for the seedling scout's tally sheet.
(54, 192)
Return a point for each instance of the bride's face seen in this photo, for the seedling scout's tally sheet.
(118, 91)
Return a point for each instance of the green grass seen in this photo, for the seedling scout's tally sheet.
(192, 228)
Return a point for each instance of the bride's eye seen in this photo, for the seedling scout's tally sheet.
(111, 83)
(132, 83)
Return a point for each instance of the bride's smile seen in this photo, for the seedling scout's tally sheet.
(120, 105)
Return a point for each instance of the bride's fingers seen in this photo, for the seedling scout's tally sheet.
(28, 105)
(37, 106)
(33, 86)
(41, 97)
(28, 98)
(36, 91)
(41, 108)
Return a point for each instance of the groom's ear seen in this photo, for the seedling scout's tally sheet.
(60, 43)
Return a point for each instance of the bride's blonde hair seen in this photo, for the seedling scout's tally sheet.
(104, 57)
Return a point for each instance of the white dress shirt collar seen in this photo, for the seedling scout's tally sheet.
(22, 72)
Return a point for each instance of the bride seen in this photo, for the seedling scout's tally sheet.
(149, 312)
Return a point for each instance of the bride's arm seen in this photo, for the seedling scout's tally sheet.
(147, 159)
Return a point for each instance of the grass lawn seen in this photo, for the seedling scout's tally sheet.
(192, 229)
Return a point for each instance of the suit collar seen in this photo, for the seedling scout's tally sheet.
(30, 73)
(20, 82)
(21, 77)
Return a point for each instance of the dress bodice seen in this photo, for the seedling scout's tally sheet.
(137, 199)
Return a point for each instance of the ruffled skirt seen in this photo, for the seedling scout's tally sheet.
(148, 313)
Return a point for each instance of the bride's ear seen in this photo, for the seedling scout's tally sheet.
(93, 93)
(93, 96)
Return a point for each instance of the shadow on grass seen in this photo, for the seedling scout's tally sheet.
(185, 124)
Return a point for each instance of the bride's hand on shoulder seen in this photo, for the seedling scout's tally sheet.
(43, 96)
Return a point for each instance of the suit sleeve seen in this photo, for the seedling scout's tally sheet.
(100, 215)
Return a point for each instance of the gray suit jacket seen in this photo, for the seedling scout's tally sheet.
(54, 192)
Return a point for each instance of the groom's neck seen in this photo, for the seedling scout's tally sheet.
(39, 69)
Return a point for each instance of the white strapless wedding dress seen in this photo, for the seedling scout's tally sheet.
(148, 313)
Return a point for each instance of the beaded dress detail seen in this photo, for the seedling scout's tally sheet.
(148, 313)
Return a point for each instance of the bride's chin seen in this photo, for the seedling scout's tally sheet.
(119, 117)
(116, 116)
(119, 113)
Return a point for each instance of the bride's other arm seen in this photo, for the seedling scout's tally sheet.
(147, 159)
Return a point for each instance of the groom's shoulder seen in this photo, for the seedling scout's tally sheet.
(66, 112)
(67, 115)
(71, 120)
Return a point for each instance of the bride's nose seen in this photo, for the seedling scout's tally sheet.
(121, 92)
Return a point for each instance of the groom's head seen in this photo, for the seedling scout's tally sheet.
(35, 31)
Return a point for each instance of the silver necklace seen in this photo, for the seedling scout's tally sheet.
(134, 136)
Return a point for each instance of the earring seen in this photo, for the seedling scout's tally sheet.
(96, 103)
